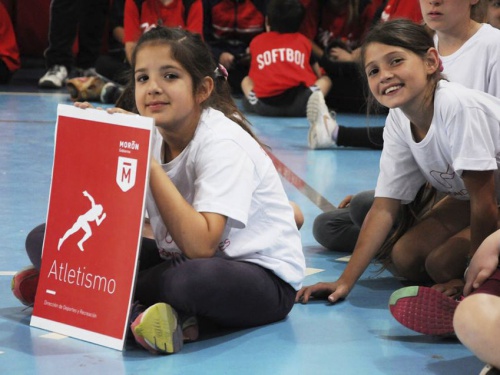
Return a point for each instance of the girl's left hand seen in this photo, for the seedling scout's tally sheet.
(452, 288)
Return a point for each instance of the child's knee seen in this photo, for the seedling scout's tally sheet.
(406, 262)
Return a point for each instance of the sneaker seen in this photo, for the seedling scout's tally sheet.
(322, 125)
(54, 78)
(157, 330)
(110, 93)
(24, 284)
(81, 72)
(424, 310)
(85, 88)
(489, 370)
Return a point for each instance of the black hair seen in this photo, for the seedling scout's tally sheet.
(285, 16)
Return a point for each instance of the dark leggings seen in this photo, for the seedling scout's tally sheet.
(230, 293)
(338, 230)
(69, 18)
(366, 137)
(5, 73)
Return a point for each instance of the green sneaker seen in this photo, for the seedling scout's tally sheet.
(157, 329)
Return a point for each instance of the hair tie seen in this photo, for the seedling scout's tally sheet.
(441, 68)
(221, 71)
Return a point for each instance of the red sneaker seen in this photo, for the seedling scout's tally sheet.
(24, 284)
(424, 310)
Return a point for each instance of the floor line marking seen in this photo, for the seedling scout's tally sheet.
(32, 93)
(28, 121)
(7, 273)
(301, 185)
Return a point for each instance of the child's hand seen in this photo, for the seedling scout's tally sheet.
(345, 202)
(340, 54)
(84, 105)
(226, 59)
(453, 288)
(483, 263)
(334, 292)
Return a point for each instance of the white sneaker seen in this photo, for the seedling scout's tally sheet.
(321, 124)
(54, 78)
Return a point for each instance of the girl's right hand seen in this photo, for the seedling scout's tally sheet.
(333, 291)
(84, 105)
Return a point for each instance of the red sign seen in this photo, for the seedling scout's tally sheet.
(94, 224)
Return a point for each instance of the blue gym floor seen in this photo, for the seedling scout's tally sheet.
(356, 336)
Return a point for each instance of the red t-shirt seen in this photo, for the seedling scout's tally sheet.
(154, 13)
(323, 25)
(280, 62)
(409, 9)
(9, 51)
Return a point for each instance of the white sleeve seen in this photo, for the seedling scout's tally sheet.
(400, 176)
(472, 134)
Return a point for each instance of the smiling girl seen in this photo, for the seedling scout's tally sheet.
(227, 248)
(437, 132)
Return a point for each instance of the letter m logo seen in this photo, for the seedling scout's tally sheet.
(125, 173)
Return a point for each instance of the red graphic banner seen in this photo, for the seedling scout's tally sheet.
(94, 224)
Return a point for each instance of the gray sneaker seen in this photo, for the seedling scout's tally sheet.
(110, 93)
(54, 78)
(321, 123)
(81, 72)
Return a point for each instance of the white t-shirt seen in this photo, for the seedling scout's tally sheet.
(225, 171)
(477, 63)
(464, 135)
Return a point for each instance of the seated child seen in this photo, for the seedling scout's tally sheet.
(281, 77)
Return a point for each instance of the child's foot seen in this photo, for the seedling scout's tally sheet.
(190, 329)
(157, 329)
(24, 284)
(424, 310)
(322, 126)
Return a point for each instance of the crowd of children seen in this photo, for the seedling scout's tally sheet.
(441, 139)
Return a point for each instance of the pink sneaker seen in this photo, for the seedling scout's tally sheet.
(157, 329)
(24, 284)
(424, 310)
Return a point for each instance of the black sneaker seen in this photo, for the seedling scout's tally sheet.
(110, 93)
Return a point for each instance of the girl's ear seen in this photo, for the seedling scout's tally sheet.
(432, 60)
(205, 89)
